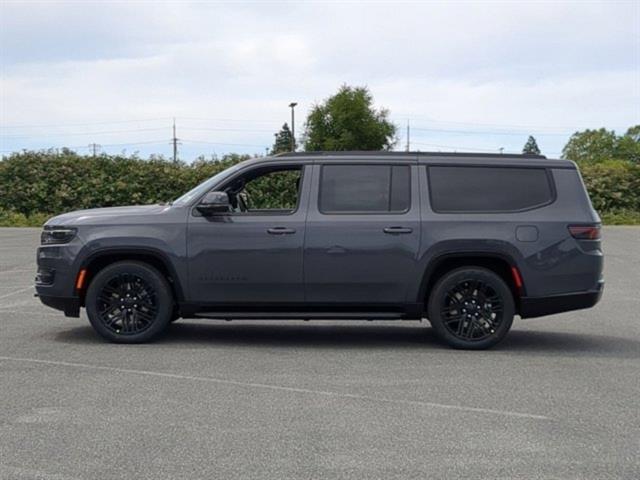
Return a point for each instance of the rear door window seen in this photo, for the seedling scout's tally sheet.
(488, 189)
(364, 189)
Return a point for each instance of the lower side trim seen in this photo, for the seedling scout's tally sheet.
(69, 305)
(301, 311)
(303, 315)
(531, 307)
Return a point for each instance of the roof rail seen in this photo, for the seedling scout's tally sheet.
(396, 154)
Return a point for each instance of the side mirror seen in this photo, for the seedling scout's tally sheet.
(214, 202)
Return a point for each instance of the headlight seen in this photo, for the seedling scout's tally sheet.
(57, 235)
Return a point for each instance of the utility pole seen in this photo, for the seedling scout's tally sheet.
(94, 148)
(174, 140)
(292, 105)
(408, 136)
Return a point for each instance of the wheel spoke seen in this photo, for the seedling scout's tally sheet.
(449, 309)
(456, 318)
(470, 327)
(146, 317)
(109, 310)
(461, 326)
(127, 304)
(114, 318)
(472, 309)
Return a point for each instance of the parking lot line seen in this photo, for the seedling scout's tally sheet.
(267, 386)
(30, 287)
(17, 270)
(21, 472)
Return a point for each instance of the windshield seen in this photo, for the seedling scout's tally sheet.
(206, 185)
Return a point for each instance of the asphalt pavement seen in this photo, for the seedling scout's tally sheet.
(559, 398)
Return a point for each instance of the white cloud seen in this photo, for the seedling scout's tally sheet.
(557, 66)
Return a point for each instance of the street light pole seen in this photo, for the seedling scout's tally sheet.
(292, 105)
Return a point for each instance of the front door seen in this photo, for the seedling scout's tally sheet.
(254, 253)
(363, 233)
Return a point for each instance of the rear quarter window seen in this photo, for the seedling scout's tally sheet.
(458, 189)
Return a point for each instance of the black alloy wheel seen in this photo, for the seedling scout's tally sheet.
(127, 305)
(471, 308)
(129, 302)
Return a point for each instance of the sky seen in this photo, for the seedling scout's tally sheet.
(466, 75)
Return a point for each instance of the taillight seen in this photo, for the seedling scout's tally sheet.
(585, 232)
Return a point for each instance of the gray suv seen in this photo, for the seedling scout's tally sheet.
(465, 241)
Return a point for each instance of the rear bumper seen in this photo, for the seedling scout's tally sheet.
(539, 306)
(69, 305)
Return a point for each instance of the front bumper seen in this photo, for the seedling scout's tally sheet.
(69, 305)
(531, 307)
(56, 275)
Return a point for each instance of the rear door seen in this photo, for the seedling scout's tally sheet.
(363, 233)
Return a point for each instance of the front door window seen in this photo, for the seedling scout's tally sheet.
(271, 191)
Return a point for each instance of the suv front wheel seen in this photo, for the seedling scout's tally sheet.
(129, 302)
(471, 308)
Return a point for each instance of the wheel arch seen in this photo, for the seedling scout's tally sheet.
(500, 263)
(107, 256)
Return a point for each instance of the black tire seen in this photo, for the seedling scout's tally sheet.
(129, 302)
(471, 308)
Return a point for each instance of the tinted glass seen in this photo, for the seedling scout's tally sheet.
(488, 189)
(364, 188)
(400, 188)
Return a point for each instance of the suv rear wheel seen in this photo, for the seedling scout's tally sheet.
(129, 302)
(471, 308)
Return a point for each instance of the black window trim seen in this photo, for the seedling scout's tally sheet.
(266, 213)
(362, 212)
(547, 170)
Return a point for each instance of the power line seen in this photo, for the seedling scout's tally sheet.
(500, 131)
(76, 134)
(219, 143)
(254, 130)
(78, 147)
(113, 122)
(479, 132)
(212, 129)
(480, 124)
(452, 147)
(241, 120)
(152, 142)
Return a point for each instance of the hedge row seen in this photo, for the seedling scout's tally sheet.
(34, 183)
(46, 182)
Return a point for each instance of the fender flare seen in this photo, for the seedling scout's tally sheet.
(438, 260)
(157, 254)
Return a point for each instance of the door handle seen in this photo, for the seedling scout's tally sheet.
(397, 230)
(280, 231)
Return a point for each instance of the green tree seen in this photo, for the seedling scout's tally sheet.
(348, 121)
(600, 145)
(283, 140)
(531, 147)
(629, 145)
(591, 146)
